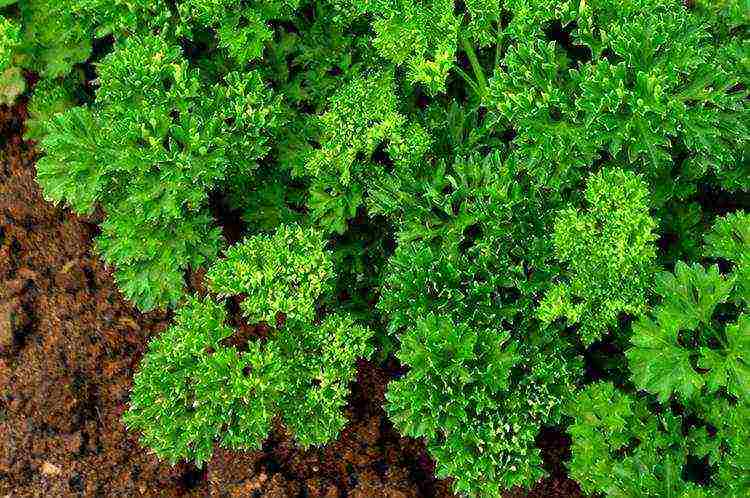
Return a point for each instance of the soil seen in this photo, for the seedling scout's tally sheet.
(69, 345)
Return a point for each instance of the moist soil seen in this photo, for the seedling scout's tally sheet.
(70, 343)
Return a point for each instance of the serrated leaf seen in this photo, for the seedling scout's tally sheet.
(691, 294)
(658, 363)
(730, 366)
(729, 239)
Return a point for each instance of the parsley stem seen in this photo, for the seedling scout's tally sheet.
(475, 65)
(468, 79)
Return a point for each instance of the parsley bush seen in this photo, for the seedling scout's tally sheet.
(690, 362)
(193, 388)
(540, 208)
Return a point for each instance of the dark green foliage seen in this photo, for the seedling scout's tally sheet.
(484, 376)
(663, 353)
(456, 251)
(693, 353)
(678, 88)
(624, 446)
(657, 86)
(682, 226)
(193, 388)
(729, 240)
(421, 36)
(479, 399)
(56, 35)
(242, 28)
(695, 343)
(50, 98)
(361, 117)
(9, 40)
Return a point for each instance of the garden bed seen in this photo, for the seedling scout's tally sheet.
(69, 345)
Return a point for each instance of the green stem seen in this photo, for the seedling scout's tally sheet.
(499, 46)
(468, 79)
(475, 65)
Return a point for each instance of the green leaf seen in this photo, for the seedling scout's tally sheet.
(658, 362)
(155, 143)
(194, 389)
(730, 239)
(73, 168)
(670, 348)
(730, 366)
(479, 417)
(184, 392)
(421, 36)
(691, 294)
(623, 446)
(51, 98)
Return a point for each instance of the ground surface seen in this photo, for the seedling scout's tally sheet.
(69, 345)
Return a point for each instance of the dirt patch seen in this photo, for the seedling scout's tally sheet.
(69, 345)
(68, 350)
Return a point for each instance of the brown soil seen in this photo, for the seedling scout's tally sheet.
(69, 344)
